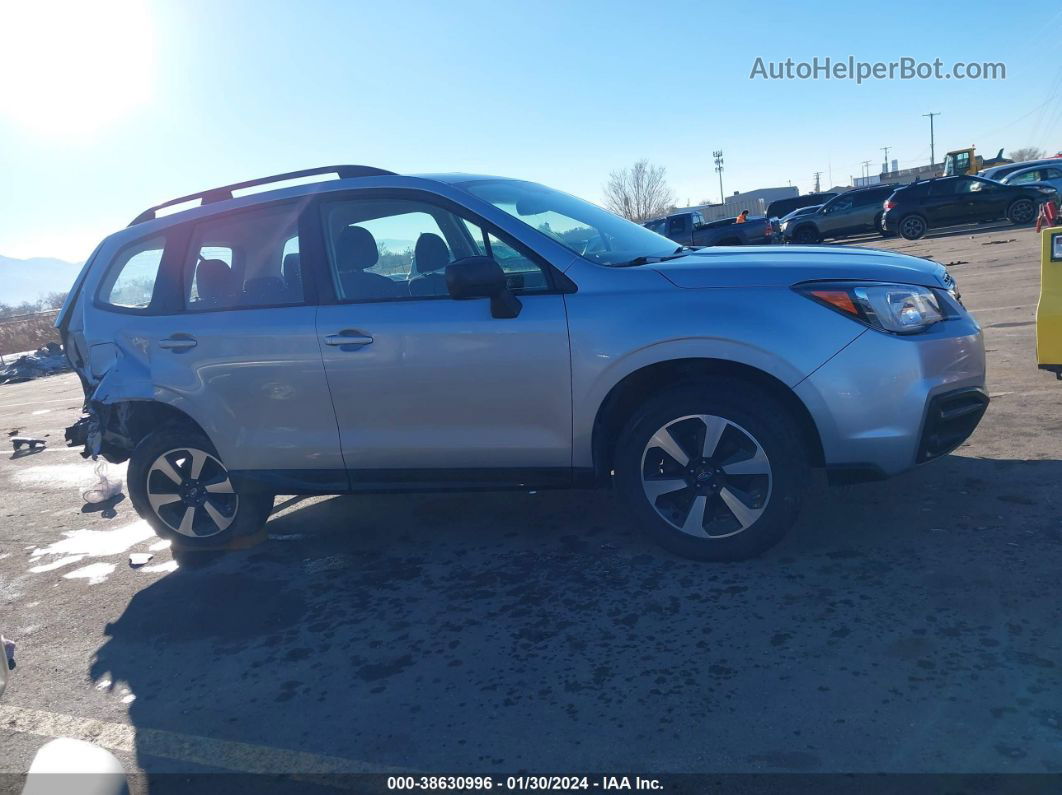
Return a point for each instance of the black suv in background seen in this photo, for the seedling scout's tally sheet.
(853, 212)
(916, 208)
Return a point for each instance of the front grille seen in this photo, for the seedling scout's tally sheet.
(950, 419)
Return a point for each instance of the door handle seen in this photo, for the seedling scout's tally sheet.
(348, 337)
(178, 342)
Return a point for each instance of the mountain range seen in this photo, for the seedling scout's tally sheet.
(31, 279)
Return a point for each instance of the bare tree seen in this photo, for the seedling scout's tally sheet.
(1026, 153)
(640, 192)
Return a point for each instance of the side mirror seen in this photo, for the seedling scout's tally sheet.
(482, 277)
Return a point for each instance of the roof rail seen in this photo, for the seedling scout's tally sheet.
(225, 192)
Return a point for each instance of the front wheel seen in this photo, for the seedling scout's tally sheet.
(806, 235)
(178, 483)
(1021, 212)
(714, 470)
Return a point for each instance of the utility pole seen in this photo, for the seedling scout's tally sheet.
(885, 167)
(866, 172)
(718, 155)
(932, 142)
(818, 188)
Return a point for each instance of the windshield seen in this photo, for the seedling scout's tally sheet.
(578, 225)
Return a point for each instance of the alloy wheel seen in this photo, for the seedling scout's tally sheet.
(913, 227)
(706, 476)
(190, 491)
(1022, 211)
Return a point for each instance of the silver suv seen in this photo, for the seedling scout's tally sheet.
(375, 332)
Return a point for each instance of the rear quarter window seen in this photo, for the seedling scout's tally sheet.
(131, 278)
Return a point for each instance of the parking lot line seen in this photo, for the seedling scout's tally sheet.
(194, 749)
(38, 402)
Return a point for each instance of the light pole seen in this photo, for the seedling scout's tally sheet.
(932, 142)
(718, 155)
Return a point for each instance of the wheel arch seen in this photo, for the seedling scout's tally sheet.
(805, 226)
(124, 423)
(636, 387)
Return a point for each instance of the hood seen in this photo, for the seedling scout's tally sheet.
(784, 266)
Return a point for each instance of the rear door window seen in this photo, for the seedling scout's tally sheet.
(130, 282)
(245, 260)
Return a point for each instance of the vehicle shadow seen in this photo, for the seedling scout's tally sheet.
(963, 230)
(901, 626)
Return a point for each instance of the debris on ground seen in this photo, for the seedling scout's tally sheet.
(18, 442)
(47, 360)
(138, 559)
(956, 262)
(997, 242)
(104, 488)
(8, 647)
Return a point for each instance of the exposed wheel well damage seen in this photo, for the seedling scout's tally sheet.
(630, 393)
(123, 424)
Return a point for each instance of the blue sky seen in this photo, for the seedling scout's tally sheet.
(129, 104)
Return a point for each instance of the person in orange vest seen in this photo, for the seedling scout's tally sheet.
(743, 216)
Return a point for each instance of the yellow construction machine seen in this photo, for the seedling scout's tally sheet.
(967, 161)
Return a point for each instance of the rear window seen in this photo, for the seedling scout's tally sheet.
(130, 282)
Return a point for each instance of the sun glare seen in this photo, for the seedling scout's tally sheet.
(68, 68)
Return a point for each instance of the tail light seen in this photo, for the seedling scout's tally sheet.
(889, 204)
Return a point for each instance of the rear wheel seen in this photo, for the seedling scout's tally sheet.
(178, 483)
(913, 227)
(714, 470)
(1021, 212)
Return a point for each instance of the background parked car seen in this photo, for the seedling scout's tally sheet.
(690, 229)
(853, 212)
(1043, 176)
(914, 209)
(782, 207)
(785, 221)
(999, 172)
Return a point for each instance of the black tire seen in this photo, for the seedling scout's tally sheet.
(177, 447)
(1022, 212)
(749, 414)
(806, 234)
(912, 227)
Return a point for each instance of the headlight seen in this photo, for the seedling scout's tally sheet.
(894, 308)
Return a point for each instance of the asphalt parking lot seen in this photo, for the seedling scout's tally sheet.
(911, 625)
